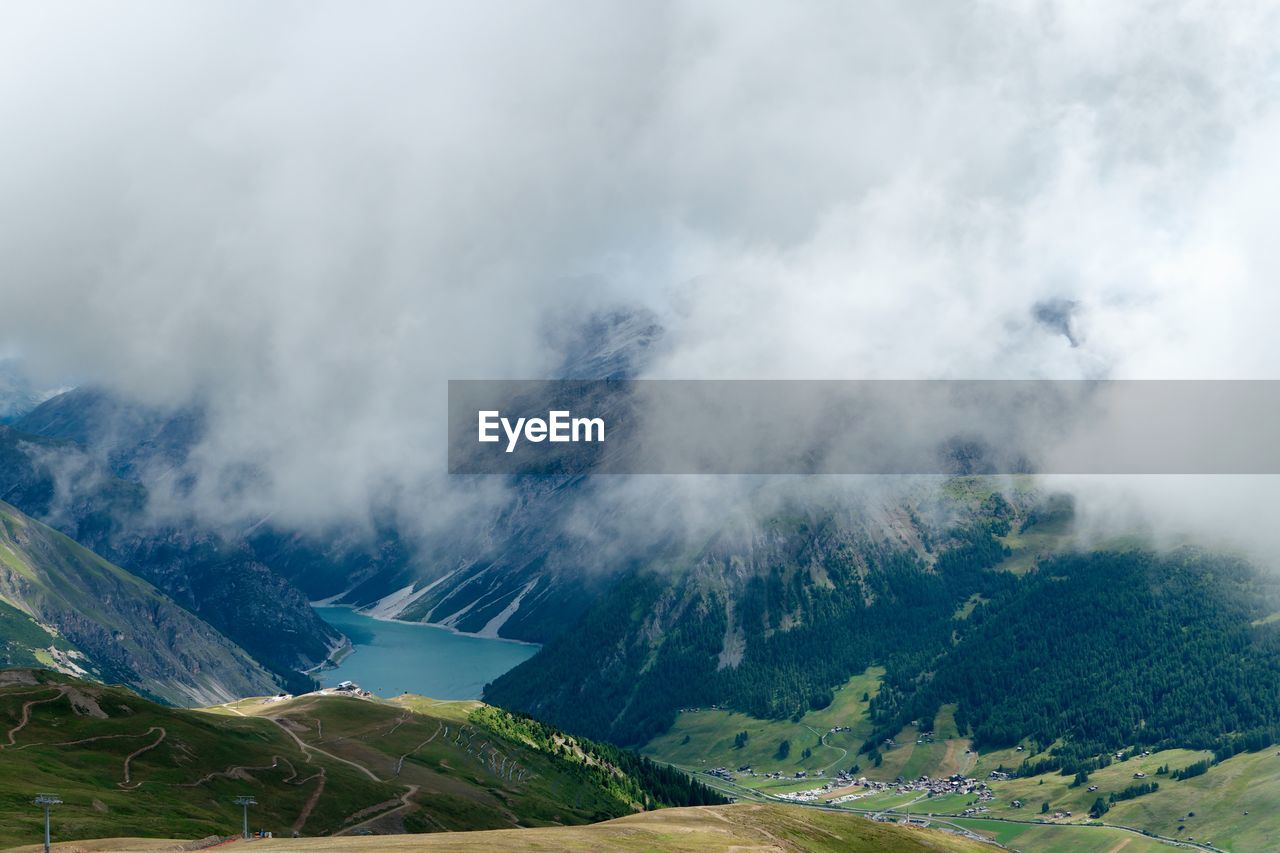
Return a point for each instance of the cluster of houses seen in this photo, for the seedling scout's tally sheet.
(862, 787)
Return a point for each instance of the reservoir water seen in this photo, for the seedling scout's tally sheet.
(393, 657)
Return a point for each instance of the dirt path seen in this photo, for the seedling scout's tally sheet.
(406, 799)
(129, 758)
(308, 748)
(69, 742)
(310, 804)
(26, 715)
(822, 741)
(406, 804)
(400, 721)
(293, 771)
(400, 763)
(231, 772)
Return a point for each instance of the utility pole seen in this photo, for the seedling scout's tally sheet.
(46, 800)
(246, 802)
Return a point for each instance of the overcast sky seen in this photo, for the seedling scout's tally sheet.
(308, 215)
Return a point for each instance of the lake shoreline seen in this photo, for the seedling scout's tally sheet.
(392, 656)
(323, 603)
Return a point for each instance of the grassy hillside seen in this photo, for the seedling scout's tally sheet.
(705, 738)
(1218, 800)
(1033, 838)
(317, 764)
(86, 616)
(698, 830)
(1207, 808)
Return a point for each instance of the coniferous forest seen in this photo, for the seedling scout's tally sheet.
(1099, 650)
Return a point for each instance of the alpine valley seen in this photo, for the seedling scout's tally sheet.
(949, 648)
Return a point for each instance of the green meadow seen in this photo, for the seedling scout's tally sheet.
(1207, 808)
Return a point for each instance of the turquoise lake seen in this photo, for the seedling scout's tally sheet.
(393, 657)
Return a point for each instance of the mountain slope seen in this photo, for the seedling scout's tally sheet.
(318, 765)
(1103, 651)
(130, 437)
(70, 488)
(83, 462)
(770, 622)
(1108, 649)
(517, 574)
(65, 605)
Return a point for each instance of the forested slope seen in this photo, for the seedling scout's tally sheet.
(1112, 649)
(1100, 650)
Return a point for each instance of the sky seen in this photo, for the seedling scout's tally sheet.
(307, 216)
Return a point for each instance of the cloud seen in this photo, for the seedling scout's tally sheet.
(307, 216)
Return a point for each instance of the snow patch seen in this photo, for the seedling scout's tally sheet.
(391, 606)
(452, 620)
(331, 600)
(491, 627)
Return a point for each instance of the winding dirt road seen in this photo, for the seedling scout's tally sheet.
(129, 758)
(406, 804)
(308, 748)
(26, 715)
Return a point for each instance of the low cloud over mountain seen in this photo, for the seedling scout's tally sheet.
(303, 219)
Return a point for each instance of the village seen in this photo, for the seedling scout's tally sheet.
(845, 788)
